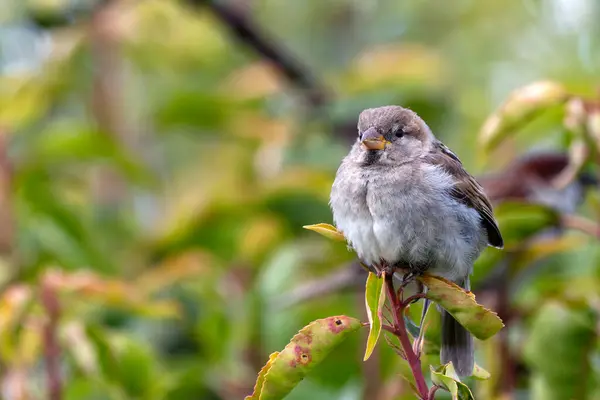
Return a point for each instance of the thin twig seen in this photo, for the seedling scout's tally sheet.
(388, 328)
(432, 391)
(412, 298)
(247, 32)
(581, 224)
(341, 279)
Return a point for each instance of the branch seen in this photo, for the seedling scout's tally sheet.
(581, 224)
(347, 277)
(402, 334)
(247, 32)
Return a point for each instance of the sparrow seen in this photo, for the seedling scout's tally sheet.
(402, 198)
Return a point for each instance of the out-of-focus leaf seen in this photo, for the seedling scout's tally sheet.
(557, 350)
(90, 287)
(394, 64)
(91, 389)
(65, 142)
(195, 109)
(60, 229)
(14, 305)
(329, 231)
(170, 45)
(180, 267)
(519, 221)
(105, 352)
(78, 344)
(138, 374)
(374, 300)
(307, 349)
(522, 105)
(253, 81)
(478, 320)
(26, 102)
(546, 247)
(445, 378)
(480, 373)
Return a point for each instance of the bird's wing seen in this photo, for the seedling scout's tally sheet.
(466, 189)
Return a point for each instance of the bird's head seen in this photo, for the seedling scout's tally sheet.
(391, 133)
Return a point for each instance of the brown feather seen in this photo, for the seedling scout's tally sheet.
(467, 190)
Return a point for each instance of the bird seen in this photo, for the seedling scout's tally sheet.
(401, 197)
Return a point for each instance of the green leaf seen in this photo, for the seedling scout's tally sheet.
(412, 328)
(520, 107)
(557, 351)
(329, 231)
(307, 349)
(519, 221)
(445, 377)
(374, 299)
(544, 247)
(480, 373)
(138, 375)
(478, 320)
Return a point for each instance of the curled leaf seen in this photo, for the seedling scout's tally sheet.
(523, 104)
(478, 320)
(307, 349)
(374, 299)
(329, 231)
(445, 377)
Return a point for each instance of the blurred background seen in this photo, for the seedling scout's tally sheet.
(158, 160)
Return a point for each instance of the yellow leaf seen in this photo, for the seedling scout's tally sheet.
(374, 300)
(329, 231)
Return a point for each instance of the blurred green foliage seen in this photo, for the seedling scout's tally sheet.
(155, 175)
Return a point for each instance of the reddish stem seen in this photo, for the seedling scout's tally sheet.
(402, 334)
(412, 298)
(431, 395)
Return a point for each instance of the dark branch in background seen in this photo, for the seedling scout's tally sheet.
(244, 30)
(49, 299)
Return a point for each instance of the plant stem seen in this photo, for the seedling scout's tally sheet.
(402, 334)
(431, 395)
(412, 298)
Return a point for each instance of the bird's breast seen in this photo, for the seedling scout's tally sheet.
(404, 215)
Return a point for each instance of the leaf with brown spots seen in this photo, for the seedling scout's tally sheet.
(478, 320)
(307, 348)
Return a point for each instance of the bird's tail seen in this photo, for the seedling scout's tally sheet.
(457, 345)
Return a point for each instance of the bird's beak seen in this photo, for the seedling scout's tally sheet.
(372, 140)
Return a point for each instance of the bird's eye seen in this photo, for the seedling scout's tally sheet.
(399, 133)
